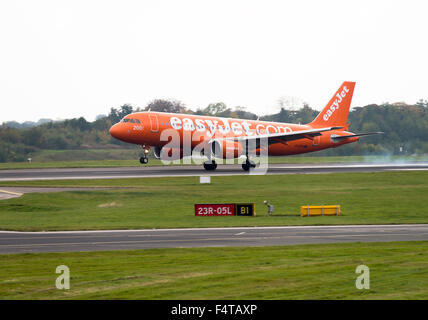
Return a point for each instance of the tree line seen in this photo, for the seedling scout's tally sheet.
(405, 129)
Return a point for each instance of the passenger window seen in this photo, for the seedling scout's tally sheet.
(137, 121)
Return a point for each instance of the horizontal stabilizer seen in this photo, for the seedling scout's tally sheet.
(355, 135)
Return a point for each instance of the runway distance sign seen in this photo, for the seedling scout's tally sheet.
(245, 209)
(203, 209)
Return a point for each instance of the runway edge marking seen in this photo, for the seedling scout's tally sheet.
(226, 228)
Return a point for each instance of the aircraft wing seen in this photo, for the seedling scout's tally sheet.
(284, 137)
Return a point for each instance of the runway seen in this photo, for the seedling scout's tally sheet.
(193, 170)
(26, 242)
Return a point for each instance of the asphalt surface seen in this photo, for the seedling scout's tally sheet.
(25, 242)
(191, 170)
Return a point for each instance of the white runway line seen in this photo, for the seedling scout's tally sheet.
(10, 192)
(224, 228)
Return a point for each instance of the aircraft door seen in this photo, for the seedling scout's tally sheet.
(154, 124)
(316, 141)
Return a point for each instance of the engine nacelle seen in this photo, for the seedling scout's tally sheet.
(226, 149)
(168, 154)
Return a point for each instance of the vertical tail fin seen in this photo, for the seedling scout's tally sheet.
(335, 113)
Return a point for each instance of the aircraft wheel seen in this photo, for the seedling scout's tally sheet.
(210, 165)
(144, 160)
(248, 165)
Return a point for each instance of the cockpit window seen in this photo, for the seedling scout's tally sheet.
(130, 120)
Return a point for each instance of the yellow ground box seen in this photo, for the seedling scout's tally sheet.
(316, 211)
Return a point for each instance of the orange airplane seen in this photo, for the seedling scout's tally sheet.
(227, 138)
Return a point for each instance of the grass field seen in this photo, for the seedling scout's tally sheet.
(398, 270)
(65, 160)
(365, 198)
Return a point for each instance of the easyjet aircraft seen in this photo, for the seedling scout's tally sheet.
(228, 137)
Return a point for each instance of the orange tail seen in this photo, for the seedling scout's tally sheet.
(335, 113)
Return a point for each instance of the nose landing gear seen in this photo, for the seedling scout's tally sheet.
(144, 159)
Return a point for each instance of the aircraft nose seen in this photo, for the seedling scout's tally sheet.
(115, 131)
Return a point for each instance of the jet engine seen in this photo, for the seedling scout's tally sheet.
(226, 149)
(169, 154)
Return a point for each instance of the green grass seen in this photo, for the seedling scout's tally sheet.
(398, 270)
(64, 159)
(365, 198)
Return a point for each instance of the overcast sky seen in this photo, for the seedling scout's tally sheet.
(65, 59)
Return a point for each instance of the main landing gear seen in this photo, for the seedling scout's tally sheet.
(212, 165)
(144, 159)
(248, 164)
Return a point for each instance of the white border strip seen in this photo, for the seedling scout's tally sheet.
(219, 228)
